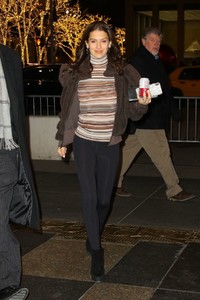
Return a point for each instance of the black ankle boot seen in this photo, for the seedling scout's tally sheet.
(97, 265)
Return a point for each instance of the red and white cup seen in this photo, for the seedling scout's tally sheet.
(143, 87)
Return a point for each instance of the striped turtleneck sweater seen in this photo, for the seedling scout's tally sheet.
(97, 99)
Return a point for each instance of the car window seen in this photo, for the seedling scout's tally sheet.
(42, 73)
(190, 74)
(51, 73)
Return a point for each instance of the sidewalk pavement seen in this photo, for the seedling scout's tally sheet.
(152, 245)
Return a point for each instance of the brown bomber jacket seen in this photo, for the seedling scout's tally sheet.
(70, 103)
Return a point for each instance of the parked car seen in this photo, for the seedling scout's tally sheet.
(42, 80)
(42, 89)
(187, 79)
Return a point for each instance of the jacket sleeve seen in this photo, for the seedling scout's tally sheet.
(135, 110)
(132, 77)
(62, 73)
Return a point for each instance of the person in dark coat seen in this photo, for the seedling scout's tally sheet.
(149, 132)
(18, 197)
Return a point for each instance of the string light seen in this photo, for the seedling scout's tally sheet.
(29, 20)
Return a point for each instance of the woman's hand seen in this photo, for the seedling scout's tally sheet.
(146, 99)
(62, 151)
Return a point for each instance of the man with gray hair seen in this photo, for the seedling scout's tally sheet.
(149, 132)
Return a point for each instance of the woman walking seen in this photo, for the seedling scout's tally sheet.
(94, 113)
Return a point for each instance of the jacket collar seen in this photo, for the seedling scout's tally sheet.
(146, 52)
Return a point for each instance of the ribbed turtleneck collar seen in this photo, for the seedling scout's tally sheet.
(98, 61)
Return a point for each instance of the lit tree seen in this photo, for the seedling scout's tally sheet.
(26, 13)
(69, 27)
(5, 21)
(28, 21)
(121, 38)
(19, 18)
(42, 33)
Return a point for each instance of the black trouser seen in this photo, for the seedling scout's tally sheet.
(10, 258)
(97, 165)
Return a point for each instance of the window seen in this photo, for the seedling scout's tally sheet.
(190, 74)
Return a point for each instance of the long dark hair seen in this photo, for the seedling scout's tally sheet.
(114, 55)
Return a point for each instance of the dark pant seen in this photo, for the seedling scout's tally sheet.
(10, 259)
(97, 164)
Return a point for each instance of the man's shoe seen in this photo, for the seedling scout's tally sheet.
(182, 196)
(122, 193)
(14, 293)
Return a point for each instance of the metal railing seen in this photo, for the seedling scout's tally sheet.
(42, 105)
(188, 128)
(185, 130)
